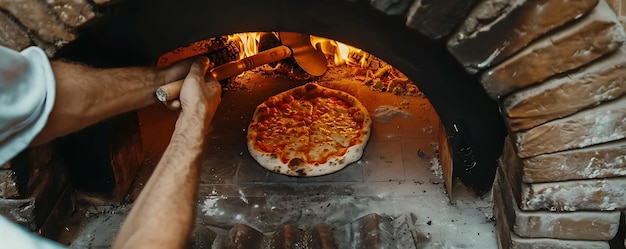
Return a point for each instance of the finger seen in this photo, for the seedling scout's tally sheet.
(198, 70)
(172, 105)
(178, 70)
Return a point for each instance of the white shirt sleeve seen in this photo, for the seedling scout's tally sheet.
(27, 91)
(16, 237)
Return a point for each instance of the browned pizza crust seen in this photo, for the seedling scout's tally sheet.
(332, 138)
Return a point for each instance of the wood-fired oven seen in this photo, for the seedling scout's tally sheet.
(547, 75)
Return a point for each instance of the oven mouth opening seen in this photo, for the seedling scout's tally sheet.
(471, 119)
(346, 62)
(405, 161)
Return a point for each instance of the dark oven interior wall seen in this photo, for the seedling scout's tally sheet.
(138, 32)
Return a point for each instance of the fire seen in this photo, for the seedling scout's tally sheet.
(364, 67)
(247, 44)
(340, 52)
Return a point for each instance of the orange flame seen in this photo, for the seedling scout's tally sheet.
(248, 43)
(340, 52)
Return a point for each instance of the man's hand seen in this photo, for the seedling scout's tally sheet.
(200, 93)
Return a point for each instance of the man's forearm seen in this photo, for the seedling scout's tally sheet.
(164, 211)
(87, 95)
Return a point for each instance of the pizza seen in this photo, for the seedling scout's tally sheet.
(309, 130)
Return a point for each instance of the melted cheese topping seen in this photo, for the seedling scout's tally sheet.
(314, 129)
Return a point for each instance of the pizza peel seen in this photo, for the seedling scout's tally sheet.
(295, 45)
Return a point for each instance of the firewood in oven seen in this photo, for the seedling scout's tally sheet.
(295, 45)
(221, 51)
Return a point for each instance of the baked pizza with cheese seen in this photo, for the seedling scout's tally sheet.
(308, 131)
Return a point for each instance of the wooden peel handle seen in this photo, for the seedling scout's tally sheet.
(172, 90)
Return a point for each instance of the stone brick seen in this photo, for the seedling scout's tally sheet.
(244, 236)
(595, 162)
(604, 123)
(8, 184)
(606, 194)
(35, 15)
(202, 235)
(592, 195)
(496, 29)
(525, 243)
(32, 165)
(620, 238)
(509, 240)
(72, 12)
(49, 189)
(437, 19)
(35, 204)
(321, 236)
(103, 2)
(556, 98)
(20, 211)
(391, 7)
(11, 35)
(581, 225)
(61, 211)
(587, 39)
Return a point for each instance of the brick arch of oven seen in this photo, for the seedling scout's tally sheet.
(436, 44)
(137, 32)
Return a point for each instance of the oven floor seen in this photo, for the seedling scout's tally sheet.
(394, 197)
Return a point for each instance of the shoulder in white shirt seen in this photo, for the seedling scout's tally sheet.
(27, 91)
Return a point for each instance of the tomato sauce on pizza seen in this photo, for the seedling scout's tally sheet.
(309, 130)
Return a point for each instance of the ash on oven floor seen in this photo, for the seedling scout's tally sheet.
(394, 197)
